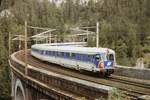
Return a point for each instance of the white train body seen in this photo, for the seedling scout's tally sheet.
(80, 58)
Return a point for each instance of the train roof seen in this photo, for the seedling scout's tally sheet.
(67, 44)
(74, 49)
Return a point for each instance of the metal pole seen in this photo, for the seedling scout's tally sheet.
(36, 41)
(25, 48)
(19, 42)
(50, 38)
(9, 44)
(86, 35)
(47, 40)
(97, 34)
(55, 39)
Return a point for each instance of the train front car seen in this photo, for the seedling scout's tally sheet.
(105, 62)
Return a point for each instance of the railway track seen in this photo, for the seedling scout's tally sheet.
(131, 88)
(135, 82)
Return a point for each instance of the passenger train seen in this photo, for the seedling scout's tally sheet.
(101, 60)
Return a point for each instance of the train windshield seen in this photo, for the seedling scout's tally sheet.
(98, 57)
(110, 57)
(104, 57)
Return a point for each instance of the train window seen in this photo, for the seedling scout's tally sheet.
(73, 55)
(97, 57)
(70, 54)
(41, 52)
(67, 55)
(49, 52)
(82, 57)
(103, 56)
(89, 57)
(53, 53)
(58, 54)
(45, 52)
(77, 56)
(62, 54)
(85, 57)
(111, 57)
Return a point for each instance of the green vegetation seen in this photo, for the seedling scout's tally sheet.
(124, 26)
(117, 95)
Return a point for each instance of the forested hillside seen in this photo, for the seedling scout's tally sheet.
(124, 26)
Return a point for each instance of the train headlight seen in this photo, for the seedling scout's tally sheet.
(109, 64)
(101, 65)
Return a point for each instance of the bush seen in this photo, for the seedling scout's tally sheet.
(146, 49)
(117, 95)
